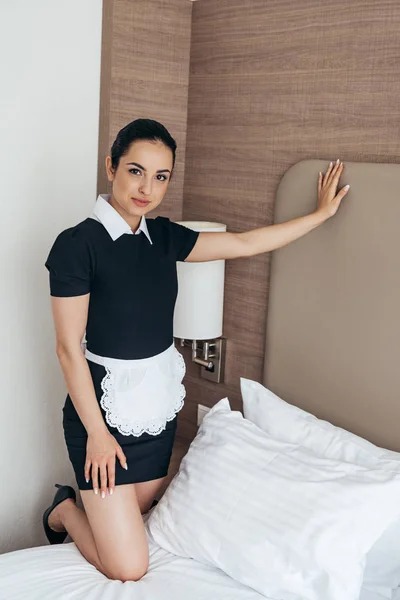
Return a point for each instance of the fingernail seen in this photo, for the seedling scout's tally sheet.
(111, 492)
(87, 480)
(96, 491)
(330, 164)
(103, 494)
(346, 187)
(126, 466)
(338, 161)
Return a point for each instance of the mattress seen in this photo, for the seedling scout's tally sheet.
(60, 572)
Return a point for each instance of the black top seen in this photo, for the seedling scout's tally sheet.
(132, 283)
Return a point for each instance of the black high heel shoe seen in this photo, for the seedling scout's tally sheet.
(64, 492)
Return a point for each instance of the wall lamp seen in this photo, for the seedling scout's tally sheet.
(199, 307)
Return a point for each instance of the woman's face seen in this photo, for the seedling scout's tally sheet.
(141, 179)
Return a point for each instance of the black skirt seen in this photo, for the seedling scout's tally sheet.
(148, 456)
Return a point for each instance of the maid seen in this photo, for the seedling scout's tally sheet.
(114, 277)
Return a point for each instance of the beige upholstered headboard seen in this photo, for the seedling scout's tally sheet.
(333, 330)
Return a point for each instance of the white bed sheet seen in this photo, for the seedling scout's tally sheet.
(61, 573)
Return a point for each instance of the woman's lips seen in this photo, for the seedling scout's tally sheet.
(141, 203)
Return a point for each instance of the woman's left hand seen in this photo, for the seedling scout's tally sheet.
(328, 198)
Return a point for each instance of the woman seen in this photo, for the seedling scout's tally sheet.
(114, 276)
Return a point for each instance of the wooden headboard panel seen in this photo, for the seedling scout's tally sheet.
(333, 328)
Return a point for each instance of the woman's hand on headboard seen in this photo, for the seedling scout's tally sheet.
(224, 245)
(329, 198)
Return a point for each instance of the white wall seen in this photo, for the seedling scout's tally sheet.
(49, 106)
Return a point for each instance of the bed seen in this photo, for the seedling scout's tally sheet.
(46, 573)
(337, 368)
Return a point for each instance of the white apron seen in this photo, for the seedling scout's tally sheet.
(141, 395)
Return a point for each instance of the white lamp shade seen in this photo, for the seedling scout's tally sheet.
(200, 302)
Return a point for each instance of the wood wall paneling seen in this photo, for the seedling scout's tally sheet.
(145, 74)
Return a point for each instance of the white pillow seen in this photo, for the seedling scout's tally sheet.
(272, 515)
(292, 424)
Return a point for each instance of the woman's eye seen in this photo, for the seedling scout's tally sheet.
(135, 171)
(164, 177)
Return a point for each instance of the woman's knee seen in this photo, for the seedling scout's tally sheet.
(126, 572)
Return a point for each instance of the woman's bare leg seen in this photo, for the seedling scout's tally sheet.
(67, 516)
(133, 500)
(147, 491)
(118, 531)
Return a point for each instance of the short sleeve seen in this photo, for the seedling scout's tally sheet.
(69, 265)
(183, 240)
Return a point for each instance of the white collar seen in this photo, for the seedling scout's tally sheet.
(112, 220)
